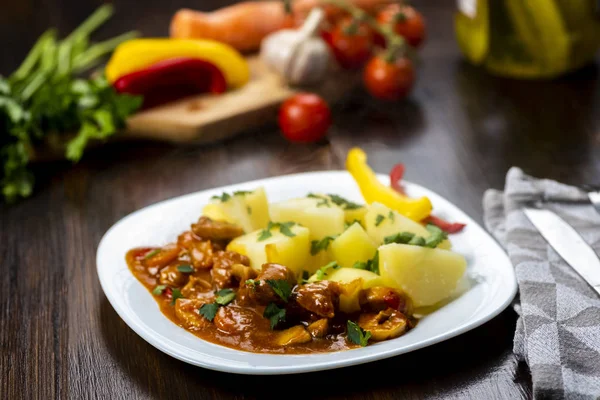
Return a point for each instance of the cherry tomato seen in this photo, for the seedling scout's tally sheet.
(351, 50)
(304, 117)
(407, 22)
(389, 80)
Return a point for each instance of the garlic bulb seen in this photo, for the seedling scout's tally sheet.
(300, 56)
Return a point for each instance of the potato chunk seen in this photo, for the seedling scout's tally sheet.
(354, 245)
(322, 218)
(426, 275)
(277, 248)
(250, 210)
(380, 222)
(294, 335)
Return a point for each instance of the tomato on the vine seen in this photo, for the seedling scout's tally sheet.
(304, 117)
(351, 43)
(407, 22)
(389, 80)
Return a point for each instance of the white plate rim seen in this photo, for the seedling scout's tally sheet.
(360, 356)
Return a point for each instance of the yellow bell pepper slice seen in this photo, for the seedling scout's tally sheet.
(373, 190)
(138, 54)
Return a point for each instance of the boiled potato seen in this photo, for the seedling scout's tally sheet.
(391, 225)
(352, 246)
(314, 262)
(320, 219)
(250, 210)
(352, 213)
(347, 275)
(292, 251)
(426, 275)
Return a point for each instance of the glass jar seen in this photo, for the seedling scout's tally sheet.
(528, 38)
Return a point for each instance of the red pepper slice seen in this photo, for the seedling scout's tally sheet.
(450, 227)
(396, 175)
(172, 79)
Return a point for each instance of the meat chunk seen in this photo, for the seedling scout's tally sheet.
(222, 272)
(386, 324)
(234, 319)
(186, 311)
(379, 298)
(171, 276)
(200, 252)
(206, 228)
(261, 292)
(161, 257)
(320, 298)
(197, 288)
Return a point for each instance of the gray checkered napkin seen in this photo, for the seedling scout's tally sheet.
(558, 331)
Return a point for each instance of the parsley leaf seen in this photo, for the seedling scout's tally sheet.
(223, 197)
(158, 290)
(357, 335)
(185, 268)
(252, 283)
(417, 241)
(209, 310)
(373, 264)
(225, 296)
(264, 235)
(379, 219)
(284, 228)
(349, 224)
(391, 216)
(241, 192)
(343, 203)
(274, 314)
(437, 236)
(319, 245)
(281, 287)
(323, 203)
(324, 270)
(175, 294)
(400, 237)
(151, 254)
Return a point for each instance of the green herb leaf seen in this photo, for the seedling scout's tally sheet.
(400, 237)
(319, 245)
(437, 236)
(222, 198)
(252, 283)
(175, 294)
(159, 289)
(264, 235)
(374, 263)
(417, 241)
(281, 287)
(323, 203)
(324, 270)
(349, 224)
(274, 314)
(357, 335)
(379, 219)
(185, 268)
(361, 265)
(344, 203)
(284, 228)
(241, 192)
(391, 216)
(225, 296)
(151, 254)
(209, 310)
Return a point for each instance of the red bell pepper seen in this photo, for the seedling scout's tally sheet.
(396, 175)
(172, 79)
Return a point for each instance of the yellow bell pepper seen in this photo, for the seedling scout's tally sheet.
(375, 191)
(138, 54)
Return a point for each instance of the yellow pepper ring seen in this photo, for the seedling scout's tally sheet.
(373, 190)
(138, 54)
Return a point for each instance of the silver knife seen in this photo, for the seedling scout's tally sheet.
(568, 244)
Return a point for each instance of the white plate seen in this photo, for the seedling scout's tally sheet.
(488, 266)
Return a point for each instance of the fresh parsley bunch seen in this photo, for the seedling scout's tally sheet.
(44, 103)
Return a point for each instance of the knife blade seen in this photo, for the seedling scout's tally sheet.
(568, 244)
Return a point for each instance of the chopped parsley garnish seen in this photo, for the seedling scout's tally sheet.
(284, 228)
(357, 335)
(371, 265)
(225, 296)
(223, 197)
(349, 224)
(379, 219)
(323, 203)
(151, 254)
(185, 268)
(175, 294)
(324, 270)
(437, 236)
(343, 203)
(400, 237)
(241, 192)
(209, 311)
(417, 241)
(391, 216)
(252, 283)
(281, 287)
(274, 314)
(319, 245)
(158, 290)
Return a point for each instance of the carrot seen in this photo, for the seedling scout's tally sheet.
(244, 25)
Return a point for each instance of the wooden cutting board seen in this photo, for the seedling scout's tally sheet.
(208, 118)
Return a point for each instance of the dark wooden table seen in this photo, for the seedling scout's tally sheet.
(458, 134)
